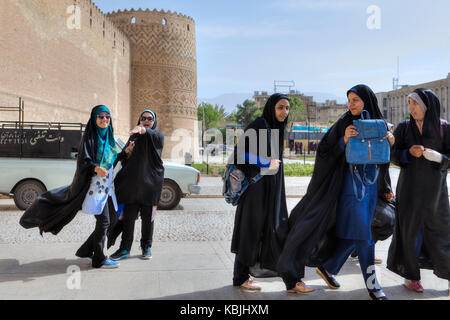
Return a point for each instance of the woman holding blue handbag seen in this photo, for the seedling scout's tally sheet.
(261, 215)
(421, 238)
(334, 218)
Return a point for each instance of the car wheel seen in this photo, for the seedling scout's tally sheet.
(26, 192)
(170, 195)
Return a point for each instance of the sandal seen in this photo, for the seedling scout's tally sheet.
(250, 285)
(301, 287)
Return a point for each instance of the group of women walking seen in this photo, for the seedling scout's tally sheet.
(329, 224)
(332, 221)
(115, 202)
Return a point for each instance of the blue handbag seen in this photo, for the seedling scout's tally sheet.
(368, 147)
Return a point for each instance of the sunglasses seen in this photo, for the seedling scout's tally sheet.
(147, 118)
(103, 116)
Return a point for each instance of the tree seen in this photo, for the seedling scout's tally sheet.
(297, 112)
(213, 115)
(246, 113)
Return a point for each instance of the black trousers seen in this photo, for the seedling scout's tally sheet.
(130, 214)
(241, 273)
(94, 245)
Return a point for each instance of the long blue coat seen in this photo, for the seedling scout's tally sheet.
(354, 217)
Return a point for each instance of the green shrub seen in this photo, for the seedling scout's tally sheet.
(298, 170)
(290, 169)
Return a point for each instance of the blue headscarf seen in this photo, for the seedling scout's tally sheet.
(106, 144)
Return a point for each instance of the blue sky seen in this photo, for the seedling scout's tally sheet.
(322, 45)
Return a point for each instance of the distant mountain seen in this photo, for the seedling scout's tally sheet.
(228, 100)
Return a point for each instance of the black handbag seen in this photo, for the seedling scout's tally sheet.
(383, 221)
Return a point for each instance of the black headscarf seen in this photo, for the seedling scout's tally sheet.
(370, 100)
(269, 116)
(431, 136)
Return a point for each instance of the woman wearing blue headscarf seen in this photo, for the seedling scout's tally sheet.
(91, 190)
(142, 167)
(100, 198)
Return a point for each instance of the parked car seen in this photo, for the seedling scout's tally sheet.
(26, 178)
(36, 157)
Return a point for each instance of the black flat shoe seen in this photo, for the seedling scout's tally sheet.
(330, 280)
(374, 297)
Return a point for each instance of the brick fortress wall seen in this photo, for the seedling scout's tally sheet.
(62, 72)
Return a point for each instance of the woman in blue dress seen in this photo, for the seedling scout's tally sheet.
(356, 205)
(333, 219)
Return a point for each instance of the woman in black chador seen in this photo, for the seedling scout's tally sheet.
(329, 222)
(139, 185)
(261, 215)
(91, 191)
(422, 228)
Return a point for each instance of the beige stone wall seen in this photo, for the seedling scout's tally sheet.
(60, 72)
(164, 70)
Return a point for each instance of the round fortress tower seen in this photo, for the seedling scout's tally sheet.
(163, 69)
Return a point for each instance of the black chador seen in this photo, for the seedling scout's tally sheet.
(261, 221)
(139, 185)
(422, 231)
(56, 208)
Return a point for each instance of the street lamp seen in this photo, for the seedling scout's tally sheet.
(307, 124)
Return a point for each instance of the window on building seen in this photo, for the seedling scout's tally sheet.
(133, 20)
(164, 22)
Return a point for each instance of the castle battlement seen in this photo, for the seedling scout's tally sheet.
(100, 23)
(154, 11)
(174, 21)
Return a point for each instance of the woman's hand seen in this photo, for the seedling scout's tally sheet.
(416, 151)
(101, 172)
(274, 165)
(349, 133)
(138, 129)
(390, 138)
(130, 148)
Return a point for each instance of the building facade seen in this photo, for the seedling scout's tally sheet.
(394, 104)
(329, 112)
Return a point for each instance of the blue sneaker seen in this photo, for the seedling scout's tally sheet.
(109, 264)
(120, 255)
(146, 254)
